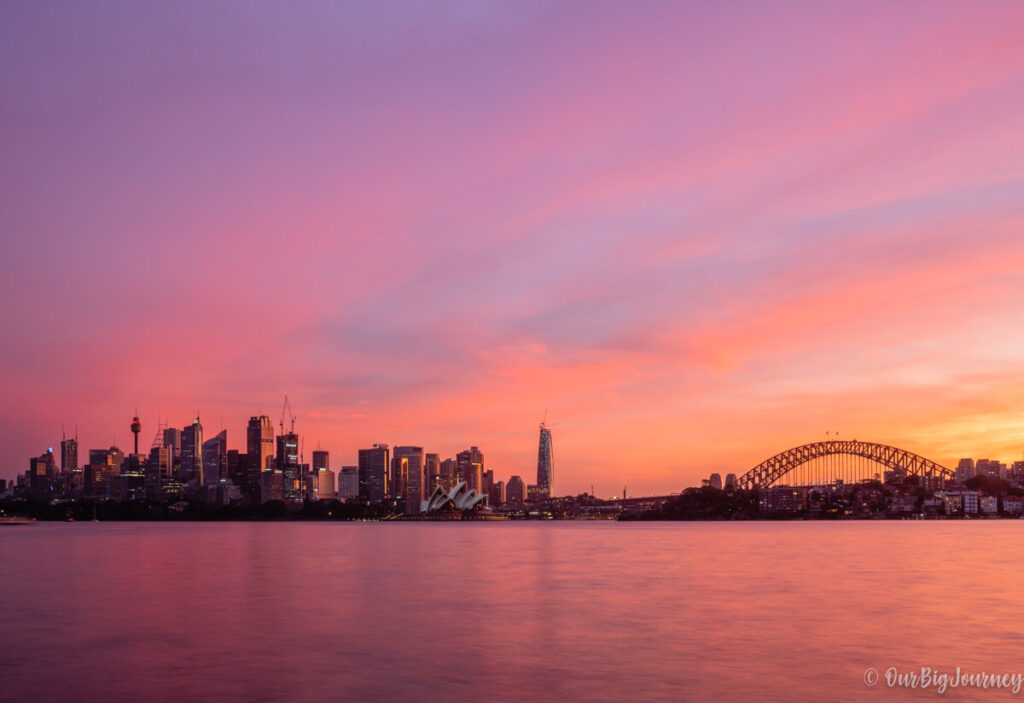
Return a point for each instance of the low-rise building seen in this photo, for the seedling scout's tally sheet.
(902, 504)
(1013, 505)
(782, 499)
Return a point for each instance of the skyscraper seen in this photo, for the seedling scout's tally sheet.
(373, 473)
(40, 473)
(431, 473)
(215, 452)
(288, 465)
(348, 482)
(192, 453)
(470, 465)
(68, 463)
(69, 454)
(321, 462)
(545, 462)
(325, 484)
(172, 440)
(449, 474)
(515, 491)
(235, 467)
(497, 494)
(259, 447)
(158, 470)
(413, 456)
(399, 479)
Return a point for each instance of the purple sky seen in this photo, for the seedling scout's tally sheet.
(697, 233)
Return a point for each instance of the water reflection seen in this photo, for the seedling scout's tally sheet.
(507, 611)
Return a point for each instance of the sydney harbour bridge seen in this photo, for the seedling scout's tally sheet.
(825, 463)
(822, 463)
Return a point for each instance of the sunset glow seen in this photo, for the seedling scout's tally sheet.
(693, 234)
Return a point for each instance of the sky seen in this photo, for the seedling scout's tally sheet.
(692, 234)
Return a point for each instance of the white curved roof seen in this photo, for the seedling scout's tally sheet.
(461, 497)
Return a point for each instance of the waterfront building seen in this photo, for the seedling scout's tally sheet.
(497, 494)
(515, 490)
(930, 506)
(782, 499)
(431, 473)
(410, 474)
(989, 505)
(449, 474)
(470, 466)
(902, 503)
(348, 482)
(259, 447)
(1013, 505)
(373, 473)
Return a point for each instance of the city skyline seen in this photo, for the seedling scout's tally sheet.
(274, 437)
(698, 235)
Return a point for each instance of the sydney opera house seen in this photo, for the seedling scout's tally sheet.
(461, 497)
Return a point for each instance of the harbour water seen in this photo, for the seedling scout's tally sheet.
(564, 611)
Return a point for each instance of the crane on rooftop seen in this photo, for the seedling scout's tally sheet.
(287, 410)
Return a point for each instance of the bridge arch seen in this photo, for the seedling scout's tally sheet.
(769, 471)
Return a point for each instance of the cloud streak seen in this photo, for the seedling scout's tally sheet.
(695, 234)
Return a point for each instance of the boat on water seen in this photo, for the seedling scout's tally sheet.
(6, 520)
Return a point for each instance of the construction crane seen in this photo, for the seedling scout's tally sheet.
(158, 441)
(287, 410)
(544, 422)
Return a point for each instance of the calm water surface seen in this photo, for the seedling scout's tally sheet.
(504, 611)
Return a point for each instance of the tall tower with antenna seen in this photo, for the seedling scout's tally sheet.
(136, 428)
